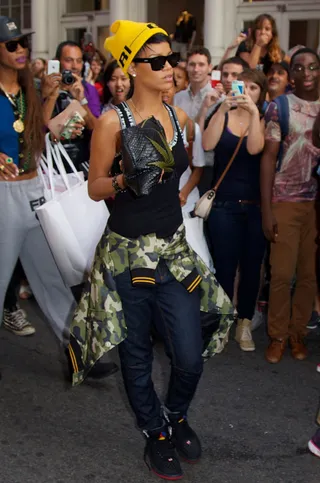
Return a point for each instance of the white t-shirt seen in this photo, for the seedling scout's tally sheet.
(198, 162)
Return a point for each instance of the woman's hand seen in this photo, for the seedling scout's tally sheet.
(211, 98)
(227, 104)
(8, 170)
(50, 85)
(237, 41)
(245, 101)
(76, 89)
(183, 195)
(74, 128)
(262, 39)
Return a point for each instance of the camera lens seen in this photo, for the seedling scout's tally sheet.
(67, 77)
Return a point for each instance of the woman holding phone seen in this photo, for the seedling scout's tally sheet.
(143, 261)
(235, 225)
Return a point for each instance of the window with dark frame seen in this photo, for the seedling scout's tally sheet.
(20, 10)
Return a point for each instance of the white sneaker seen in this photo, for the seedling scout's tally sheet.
(243, 335)
(17, 322)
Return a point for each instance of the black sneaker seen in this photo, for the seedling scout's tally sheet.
(162, 456)
(314, 322)
(314, 444)
(185, 440)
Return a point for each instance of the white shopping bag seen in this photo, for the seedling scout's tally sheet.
(59, 182)
(196, 239)
(73, 225)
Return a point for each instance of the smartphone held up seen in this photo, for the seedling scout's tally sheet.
(215, 78)
(237, 88)
(53, 67)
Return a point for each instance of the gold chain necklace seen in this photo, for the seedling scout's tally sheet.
(136, 109)
(18, 124)
(139, 112)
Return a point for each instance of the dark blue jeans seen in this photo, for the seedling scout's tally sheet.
(237, 239)
(180, 328)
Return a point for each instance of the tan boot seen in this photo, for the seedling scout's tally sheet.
(243, 335)
(275, 350)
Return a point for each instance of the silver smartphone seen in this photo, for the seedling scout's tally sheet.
(53, 67)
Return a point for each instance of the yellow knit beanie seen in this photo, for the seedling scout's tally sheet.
(129, 38)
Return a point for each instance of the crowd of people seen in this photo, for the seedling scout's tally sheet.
(249, 142)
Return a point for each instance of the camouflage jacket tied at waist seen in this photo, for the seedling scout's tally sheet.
(99, 325)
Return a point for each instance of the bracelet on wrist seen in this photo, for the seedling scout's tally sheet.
(115, 185)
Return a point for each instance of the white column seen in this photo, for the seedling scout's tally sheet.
(138, 10)
(135, 10)
(39, 22)
(231, 29)
(118, 10)
(55, 31)
(214, 14)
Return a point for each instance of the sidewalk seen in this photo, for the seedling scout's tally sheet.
(254, 419)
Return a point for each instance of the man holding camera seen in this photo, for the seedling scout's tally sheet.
(58, 90)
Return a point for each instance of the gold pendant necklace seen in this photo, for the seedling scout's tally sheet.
(18, 124)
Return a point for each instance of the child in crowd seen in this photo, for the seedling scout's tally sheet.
(181, 78)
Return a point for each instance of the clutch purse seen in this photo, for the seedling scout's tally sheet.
(146, 156)
(204, 205)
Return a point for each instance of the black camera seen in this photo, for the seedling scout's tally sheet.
(67, 77)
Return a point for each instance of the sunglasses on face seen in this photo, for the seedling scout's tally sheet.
(158, 63)
(12, 45)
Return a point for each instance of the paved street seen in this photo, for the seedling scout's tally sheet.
(254, 419)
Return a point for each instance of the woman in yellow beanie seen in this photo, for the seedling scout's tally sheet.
(143, 262)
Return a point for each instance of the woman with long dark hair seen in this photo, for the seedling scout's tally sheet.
(143, 262)
(235, 224)
(21, 191)
(116, 86)
(96, 74)
(262, 47)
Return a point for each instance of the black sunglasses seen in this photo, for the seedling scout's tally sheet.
(12, 45)
(158, 63)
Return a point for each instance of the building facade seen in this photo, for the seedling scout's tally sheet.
(218, 21)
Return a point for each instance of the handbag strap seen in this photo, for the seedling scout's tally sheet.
(218, 183)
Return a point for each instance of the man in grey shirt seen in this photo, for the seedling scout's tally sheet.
(198, 67)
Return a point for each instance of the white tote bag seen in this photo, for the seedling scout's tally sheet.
(196, 239)
(58, 181)
(73, 225)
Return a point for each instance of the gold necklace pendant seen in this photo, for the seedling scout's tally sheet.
(18, 126)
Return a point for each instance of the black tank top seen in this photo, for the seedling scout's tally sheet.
(160, 211)
(242, 182)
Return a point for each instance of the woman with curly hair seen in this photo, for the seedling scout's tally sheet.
(262, 47)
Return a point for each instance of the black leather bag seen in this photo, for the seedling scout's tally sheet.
(146, 156)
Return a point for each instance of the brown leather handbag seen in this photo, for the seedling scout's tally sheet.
(204, 205)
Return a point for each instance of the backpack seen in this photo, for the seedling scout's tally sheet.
(282, 104)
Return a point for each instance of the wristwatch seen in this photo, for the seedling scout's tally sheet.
(84, 102)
